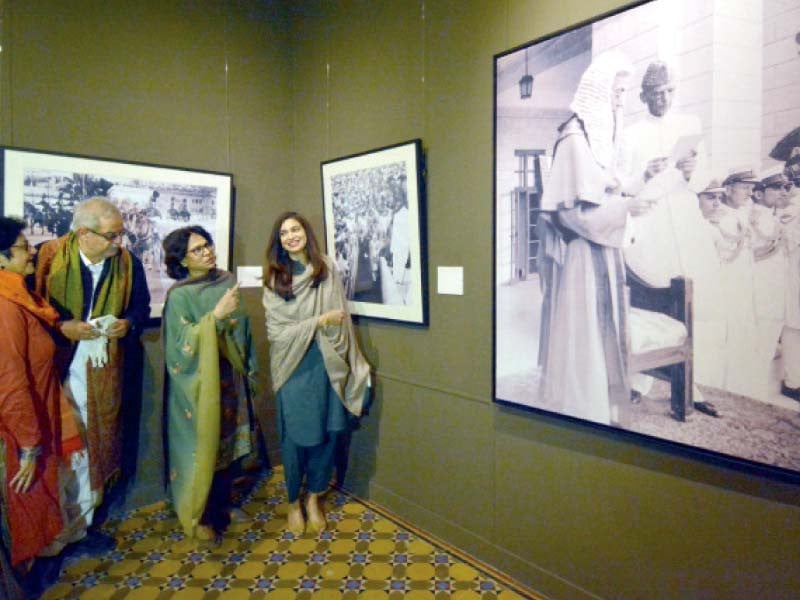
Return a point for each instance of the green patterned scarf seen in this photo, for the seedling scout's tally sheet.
(65, 285)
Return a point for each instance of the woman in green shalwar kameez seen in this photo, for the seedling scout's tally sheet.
(211, 366)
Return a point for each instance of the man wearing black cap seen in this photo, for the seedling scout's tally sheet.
(664, 138)
(792, 169)
(664, 160)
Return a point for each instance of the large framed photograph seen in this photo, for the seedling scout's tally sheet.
(647, 227)
(375, 231)
(44, 187)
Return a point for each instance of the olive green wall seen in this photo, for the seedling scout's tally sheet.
(572, 511)
(202, 85)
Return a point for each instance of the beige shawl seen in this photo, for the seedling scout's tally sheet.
(292, 326)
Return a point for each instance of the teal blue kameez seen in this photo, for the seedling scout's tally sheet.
(310, 415)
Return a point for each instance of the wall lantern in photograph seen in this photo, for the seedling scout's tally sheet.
(526, 81)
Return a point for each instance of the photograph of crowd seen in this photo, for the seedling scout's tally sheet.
(151, 205)
(370, 215)
(634, 159)
(373, 229)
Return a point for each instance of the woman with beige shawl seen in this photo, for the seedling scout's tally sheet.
(318, 372)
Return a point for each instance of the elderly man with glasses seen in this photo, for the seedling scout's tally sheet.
(100, 292)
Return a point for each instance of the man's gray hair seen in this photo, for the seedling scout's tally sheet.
(89, 213)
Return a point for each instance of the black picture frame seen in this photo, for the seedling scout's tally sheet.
(375, 230)
(43, 187)
(743, 128)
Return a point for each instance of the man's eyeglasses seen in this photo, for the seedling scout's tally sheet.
(199, 250)
(109, 236)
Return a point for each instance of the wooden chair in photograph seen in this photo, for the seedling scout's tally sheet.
(660, 337)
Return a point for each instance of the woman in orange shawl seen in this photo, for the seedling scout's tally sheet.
(30, 427)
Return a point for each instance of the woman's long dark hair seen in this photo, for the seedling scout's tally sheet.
(278, 265)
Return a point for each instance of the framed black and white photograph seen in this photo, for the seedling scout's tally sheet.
(44, 187)
(647, 227)
(375, 231)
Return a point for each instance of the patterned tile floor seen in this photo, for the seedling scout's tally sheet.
(363, 556)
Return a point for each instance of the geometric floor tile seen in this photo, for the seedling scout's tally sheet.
(362, 556)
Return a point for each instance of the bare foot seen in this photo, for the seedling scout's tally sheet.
(316, 516)
(206, 538)
(294, 519)
(205, 533)
(239, 515)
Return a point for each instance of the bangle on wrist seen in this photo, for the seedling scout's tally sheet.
(29, 453)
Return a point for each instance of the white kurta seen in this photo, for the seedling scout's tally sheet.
(673, 239)
(656, 137)
(79, 498)
(667, 238)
